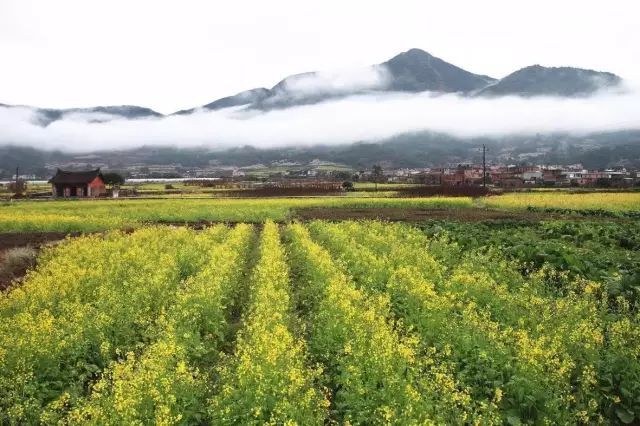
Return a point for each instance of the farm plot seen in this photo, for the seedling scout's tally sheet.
(348, 323)
(99, 215)
(611, 204)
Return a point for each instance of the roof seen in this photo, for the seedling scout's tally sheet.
(69, 177)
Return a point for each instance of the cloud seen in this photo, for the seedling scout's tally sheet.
(338, 82)
(370, 117)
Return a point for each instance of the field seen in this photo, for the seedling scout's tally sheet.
(517, 309)
(87, 215)
(112, 214)
(615, 202)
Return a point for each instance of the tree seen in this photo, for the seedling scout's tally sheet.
(377, 174)
(113, 179)
(347, 186)
(18, 187)
(342, 175)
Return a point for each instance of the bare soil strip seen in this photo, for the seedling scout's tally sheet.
(413, 214)
(33, 239)
(12, 240)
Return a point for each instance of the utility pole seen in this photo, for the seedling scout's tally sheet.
(484, 165)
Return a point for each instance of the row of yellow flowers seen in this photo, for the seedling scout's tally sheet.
(267, 380)
(611, 201)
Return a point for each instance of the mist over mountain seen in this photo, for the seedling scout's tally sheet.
(46, 116)
(413, 71)
(248, 97)
(537, 80)
(417, 71)
(400, 110)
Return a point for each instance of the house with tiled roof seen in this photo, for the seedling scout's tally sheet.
(78, 184)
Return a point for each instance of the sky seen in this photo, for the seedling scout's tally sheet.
(172, 55)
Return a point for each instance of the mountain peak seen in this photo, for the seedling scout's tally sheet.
(412, 56)
(416, 71)
(415, 52)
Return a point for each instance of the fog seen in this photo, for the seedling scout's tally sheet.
(335, 82)
(368, 117)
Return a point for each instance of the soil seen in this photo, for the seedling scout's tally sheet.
(413, 215)
(395, 214)
(11, 240)
(7, 278)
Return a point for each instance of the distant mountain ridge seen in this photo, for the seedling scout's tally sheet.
(537, 80)
(412, 71)
(417, 71)
(46, 116)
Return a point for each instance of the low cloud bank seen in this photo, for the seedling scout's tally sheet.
(370, 117)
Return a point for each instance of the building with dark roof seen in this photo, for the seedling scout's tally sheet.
(78, 184)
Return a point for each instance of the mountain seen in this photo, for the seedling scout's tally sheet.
(417, 71)
(253, 96)
(101, 113)
(537, 80)
(412, 71)
(46, 116)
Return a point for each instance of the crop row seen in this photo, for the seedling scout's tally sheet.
(267, 379)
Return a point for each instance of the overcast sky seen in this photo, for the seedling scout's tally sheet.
(170, 55)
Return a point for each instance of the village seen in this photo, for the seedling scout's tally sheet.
(319, 178)
(513, 176)
(454, 174)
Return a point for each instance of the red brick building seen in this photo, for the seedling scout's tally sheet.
(78, 184)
